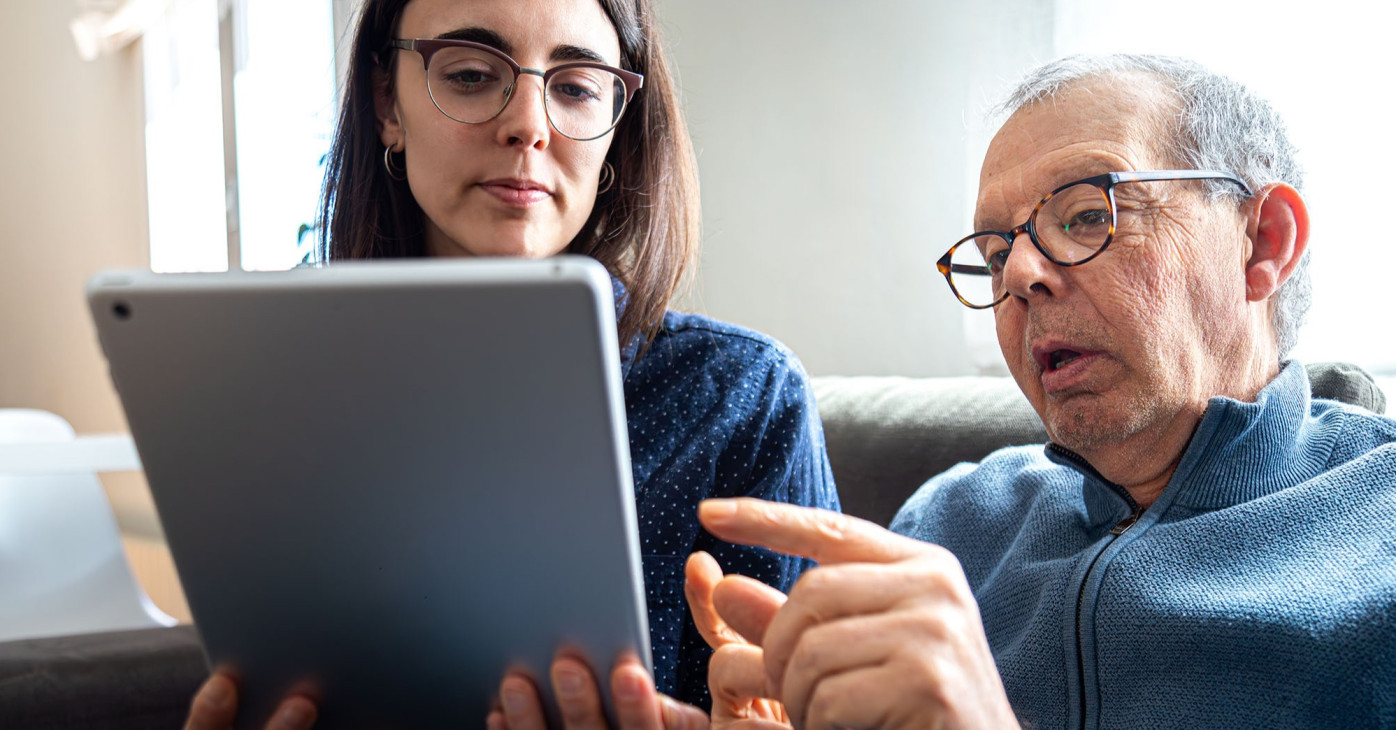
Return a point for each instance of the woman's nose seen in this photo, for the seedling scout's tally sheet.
(524, 120)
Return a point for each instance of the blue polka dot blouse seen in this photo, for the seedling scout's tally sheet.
(714, 410)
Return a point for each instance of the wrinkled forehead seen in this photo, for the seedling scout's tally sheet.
(1095, 125)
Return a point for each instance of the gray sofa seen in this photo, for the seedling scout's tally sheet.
(886, 436)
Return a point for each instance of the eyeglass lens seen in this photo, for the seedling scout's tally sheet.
(1070, 226)
(472, 86)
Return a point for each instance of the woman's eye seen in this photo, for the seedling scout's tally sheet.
(468, 79)
(572, 91)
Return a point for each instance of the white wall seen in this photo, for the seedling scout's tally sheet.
(72, 200)
(826, 196)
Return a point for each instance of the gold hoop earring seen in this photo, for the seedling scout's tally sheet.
(388, 163)
(608, 178)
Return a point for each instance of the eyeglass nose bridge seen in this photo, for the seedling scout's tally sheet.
(543, 89)
(1011, 235)
(1029, 227)
(514, 86)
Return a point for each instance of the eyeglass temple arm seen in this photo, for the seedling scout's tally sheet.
(1152, 175)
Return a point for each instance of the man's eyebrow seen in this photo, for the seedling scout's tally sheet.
(478, 35)
(1073, 173)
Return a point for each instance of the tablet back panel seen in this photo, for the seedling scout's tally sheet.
(386, 481)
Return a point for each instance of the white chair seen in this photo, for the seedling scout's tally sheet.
(62, 567)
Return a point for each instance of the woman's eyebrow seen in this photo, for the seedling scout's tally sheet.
(563, 52)
(576, 53)
(478, 35)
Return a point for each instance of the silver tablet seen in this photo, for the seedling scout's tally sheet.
(386, 481)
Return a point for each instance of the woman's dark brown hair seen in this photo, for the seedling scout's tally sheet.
(644, 229)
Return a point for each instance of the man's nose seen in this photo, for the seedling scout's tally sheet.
(524, 120)
(1027, 273)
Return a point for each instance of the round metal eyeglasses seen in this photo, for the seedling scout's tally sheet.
(472, 83)
(1071, 225)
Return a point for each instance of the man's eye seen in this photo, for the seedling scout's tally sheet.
(997, 260)
(1089, 218)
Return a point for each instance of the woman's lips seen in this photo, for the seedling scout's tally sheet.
(518, 193)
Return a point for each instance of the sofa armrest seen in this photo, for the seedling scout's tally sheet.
(121, 679)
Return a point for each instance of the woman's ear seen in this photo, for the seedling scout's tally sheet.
(385, 109)
(1279, 233)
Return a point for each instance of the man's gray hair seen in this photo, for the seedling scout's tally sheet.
(1221, 125)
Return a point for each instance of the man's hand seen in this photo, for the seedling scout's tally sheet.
(215, 707)
(885, 633)
(736, 678)
(638, 705)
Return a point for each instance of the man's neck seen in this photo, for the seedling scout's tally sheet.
(1143, 463)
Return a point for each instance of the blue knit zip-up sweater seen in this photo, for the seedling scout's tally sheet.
(1259, 590)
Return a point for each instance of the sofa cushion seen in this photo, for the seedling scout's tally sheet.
(888, 435)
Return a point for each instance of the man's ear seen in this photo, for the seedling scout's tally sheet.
(1279, 233)
(385, 109)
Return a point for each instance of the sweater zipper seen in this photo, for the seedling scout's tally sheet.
(1135, 511)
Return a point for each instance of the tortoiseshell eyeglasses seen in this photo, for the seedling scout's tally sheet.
(1070, 226)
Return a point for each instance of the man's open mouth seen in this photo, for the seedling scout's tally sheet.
(1058, 359)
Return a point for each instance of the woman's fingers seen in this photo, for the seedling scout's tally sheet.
(294, 713)
(638, 704)
(578, 696)
(518, 700)
(215, 705)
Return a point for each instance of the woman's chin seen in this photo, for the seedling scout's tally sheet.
(504, 246)
(511, 238)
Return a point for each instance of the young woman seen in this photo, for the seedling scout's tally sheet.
(536, 127)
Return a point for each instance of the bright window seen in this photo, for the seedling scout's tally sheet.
(1315, 63)
(284, 95)
(282, 59)
(184, 140)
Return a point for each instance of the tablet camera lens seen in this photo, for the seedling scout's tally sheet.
(121, 310)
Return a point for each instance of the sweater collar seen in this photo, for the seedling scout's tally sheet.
(1240, 452)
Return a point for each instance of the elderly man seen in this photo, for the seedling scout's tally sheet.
(1200, 545)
